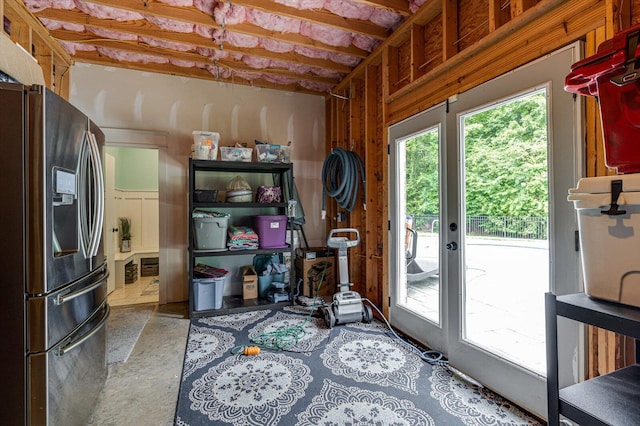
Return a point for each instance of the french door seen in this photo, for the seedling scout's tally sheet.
(481, 227)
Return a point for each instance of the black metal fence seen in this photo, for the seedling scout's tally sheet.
(533, 228)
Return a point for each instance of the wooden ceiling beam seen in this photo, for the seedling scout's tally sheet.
(97, 59)
(194, 15)
(78, 17)
(147, 29)
(316, 16)
(145, 49)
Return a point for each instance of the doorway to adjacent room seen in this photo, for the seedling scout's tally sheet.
(131, 200)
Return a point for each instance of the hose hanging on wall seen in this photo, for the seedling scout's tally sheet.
(341, 173)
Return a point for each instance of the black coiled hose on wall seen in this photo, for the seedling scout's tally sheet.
(341, 173)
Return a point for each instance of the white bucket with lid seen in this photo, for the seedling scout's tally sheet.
(608, 210)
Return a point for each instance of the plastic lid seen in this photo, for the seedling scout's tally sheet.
(602, 184)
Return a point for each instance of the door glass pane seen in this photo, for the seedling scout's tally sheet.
(419, 174)
(506, 246)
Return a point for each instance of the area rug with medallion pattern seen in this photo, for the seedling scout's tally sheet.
(353, 374)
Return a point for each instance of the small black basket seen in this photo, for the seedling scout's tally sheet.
(205, 195)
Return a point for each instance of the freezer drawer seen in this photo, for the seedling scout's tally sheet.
(51, 317)
(66, 380)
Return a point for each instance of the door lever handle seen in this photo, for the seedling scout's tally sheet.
(452, 246)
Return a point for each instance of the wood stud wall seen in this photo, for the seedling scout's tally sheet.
(447, 48)
(31, 35)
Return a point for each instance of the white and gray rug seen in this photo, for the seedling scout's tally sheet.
(124, 326)
(354, 374)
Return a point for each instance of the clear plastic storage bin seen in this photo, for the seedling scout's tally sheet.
(266, 153)
(229, 153)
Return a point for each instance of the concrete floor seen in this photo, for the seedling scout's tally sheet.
(144, 390)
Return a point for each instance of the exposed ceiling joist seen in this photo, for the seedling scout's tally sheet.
(306, 46)
(77, 17)
(196, 58)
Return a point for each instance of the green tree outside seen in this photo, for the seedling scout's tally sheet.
(506, 162)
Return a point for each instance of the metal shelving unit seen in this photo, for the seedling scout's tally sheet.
(235, 303)
(611, 399)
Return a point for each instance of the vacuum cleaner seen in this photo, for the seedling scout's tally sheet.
(347, 306)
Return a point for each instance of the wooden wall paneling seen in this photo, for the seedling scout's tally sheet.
(499, 14)
(494, 55)
(374, 197)
(44, 55)
(20, 31)
(634, 5)
(61, 76)
(518, 7)
(391, 74)
(608, 351)
(432, 45)
(404, 53)
(355, 219)
(449, 29)
(473, 23)
(417, 51)
(618, 16)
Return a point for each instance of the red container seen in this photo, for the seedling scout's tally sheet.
(611, 75)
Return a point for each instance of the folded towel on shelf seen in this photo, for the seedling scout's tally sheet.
(241, 238)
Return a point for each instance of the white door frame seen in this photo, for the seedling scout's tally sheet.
(463, 356)
(133, 138)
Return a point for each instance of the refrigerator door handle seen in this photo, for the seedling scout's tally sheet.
(82, 197)
(98, 196)
(63, 298)
(63, 350)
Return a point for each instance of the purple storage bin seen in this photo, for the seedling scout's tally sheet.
(271, 230)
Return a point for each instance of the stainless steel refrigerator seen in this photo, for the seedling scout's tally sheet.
(53, 306)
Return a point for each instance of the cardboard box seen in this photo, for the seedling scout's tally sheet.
(249, 283)
(310, 264)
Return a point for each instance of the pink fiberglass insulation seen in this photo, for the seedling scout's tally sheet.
(72, 48)
(115, 35)
(107, 12)
(311, 53)
(180, 47)
(202, 31)
(256, 62)
(414, 5)
(36, 6)
(273, 22)
(206, 6)
(316, 86)
(332, 37)
(279, 79)
(348, 9)
(131, 57)
(52, 24)
(181, 63)
(365, 42)
(348, 60)
(275, 46)
(170, 24)
(323, 72)
(386, 19)
(219, 72)
(249, 76)
(235, 39)
(229, 14)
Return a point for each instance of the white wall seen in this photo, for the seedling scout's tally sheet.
(127, 99)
